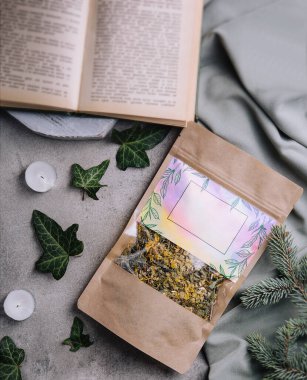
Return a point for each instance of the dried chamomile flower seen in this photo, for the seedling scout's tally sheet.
(172, 271)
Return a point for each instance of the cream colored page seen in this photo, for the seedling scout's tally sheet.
(139, 58)
(42, 50)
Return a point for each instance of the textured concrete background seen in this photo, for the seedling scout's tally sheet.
(101, 222)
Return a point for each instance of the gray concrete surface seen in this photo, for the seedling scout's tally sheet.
(101, 223)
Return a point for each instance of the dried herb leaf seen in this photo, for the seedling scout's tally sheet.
(11, 358)
(88, 180)
(77, 339)
(173, 271)
(57, 244)
(134, 143)
(129, 261)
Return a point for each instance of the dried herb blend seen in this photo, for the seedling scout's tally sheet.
(172, 271)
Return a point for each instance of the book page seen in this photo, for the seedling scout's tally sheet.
(42, 51)
(142, 58)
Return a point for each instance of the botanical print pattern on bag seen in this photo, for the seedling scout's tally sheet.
(192, 235)
(205, 219)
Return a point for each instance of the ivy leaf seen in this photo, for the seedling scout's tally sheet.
(11, 358)
(57, 244)
(77, 339)
(88, 180)
(134, 142)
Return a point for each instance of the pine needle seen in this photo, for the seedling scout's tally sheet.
(283, 251)
(286, 359)
(267, 292)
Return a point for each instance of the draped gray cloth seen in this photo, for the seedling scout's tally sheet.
(253, 92)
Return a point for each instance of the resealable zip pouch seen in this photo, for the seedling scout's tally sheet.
(193, 238)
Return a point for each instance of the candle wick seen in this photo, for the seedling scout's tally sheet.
(42, 177)
(17, 305)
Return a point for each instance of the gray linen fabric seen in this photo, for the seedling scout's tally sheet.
(253, 92)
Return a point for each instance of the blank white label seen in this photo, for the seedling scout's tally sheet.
(207, 217)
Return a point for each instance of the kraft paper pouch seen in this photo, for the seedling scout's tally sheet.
(194, 237)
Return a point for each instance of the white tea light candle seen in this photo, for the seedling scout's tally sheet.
(40, 176)
(19, 305)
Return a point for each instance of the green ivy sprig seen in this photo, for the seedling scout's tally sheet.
(134, 142)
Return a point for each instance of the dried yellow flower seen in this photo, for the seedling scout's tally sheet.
(173, 271)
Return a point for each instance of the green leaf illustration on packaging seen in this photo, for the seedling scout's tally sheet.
(150, 211)
(88, 180)
(57, 244)
(167, 179)
(11, 358)
(77, 339)
(134, 142)
(207, 220)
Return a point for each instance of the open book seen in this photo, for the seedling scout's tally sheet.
(135, 59)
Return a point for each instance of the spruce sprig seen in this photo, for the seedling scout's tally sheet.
(292, 274)
(286, 358)
(283, 360)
